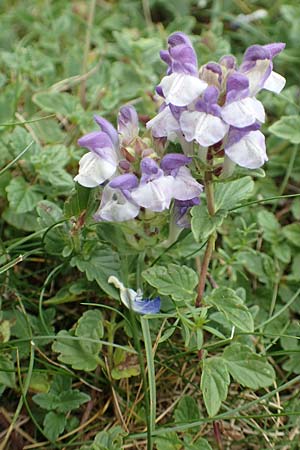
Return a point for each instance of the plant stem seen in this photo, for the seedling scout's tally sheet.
(211, 240)
(217, 435)
(204, 268)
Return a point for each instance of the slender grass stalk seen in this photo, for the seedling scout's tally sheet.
(11, 163)
(41, 314)
(23, 122)
(137, 344)
(151, 371)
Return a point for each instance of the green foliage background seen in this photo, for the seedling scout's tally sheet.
(68, 366)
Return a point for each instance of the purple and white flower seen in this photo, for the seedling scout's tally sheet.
(155, 189)
(117, 204)
(101, 163)
(257, 65)
(182, 85)
(240, 109)
(205, 124)
(134, 300)
(246, 146)
(128, 124)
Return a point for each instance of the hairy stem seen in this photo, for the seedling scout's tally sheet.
(211, 240)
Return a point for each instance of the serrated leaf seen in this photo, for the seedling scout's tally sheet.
(288, 127)
(232, 306)
(54, 425)
(71, 399)
(46, 400)
(292, 233)
(177, 281)
(202, 224)
(22, 196)
(98, 263)
(214, 384)
(230, 194)
(71, 352)
(58, 103)
(90, 325)
(248, 368)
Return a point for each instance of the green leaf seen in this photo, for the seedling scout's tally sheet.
(58, 103)
(90, 325)
(199, 444)
(71, 399)
(98, 263)
(214, 384)
(232, 306)
(292, 233)
(288, 127)
(57, 238)
(230, 194)
(187, 410)
(107, 440)
(282, 251)
(169, 441)
(248, 368)
(177, 281)
(72, 352)
(22, 196)
(126, 365)
(7, 373)
(202, 224)
(46, 400)
(54, 425)
(26, 221)
(269, 225)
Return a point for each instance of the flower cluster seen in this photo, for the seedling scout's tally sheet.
(211, 108)
(136, 177)
(217, 104)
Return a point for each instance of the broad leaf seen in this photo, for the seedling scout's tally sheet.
(232, 306)
(168, 441)
(72, 352)
(54, 425)
(126, 365)
(269, 225)
(98, 263)
(214, 384)
(7, 373)
(288, 127)
(71, 399)
(230, 194)
(292, 233)
(90, 325)
(58, 103)
(187, 410)
(248, 368)
(202, 224)
(22, 196)
(177, 281)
